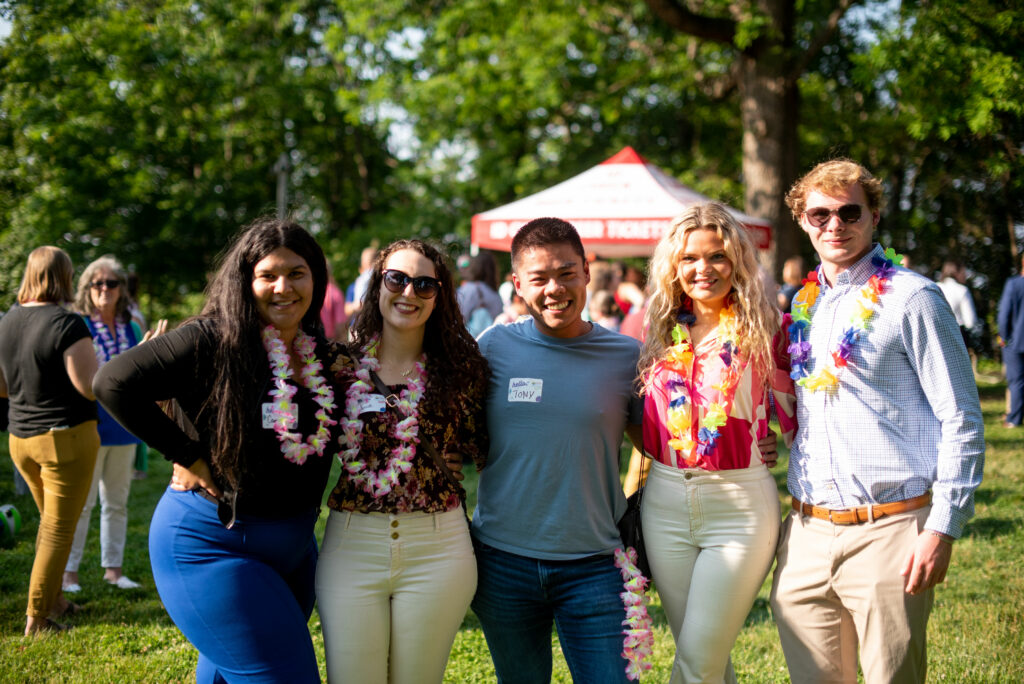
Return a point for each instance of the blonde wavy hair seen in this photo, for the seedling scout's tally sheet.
(756, 316)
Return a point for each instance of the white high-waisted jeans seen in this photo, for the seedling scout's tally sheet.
(112, 478)
(710, 537)
(392, 591)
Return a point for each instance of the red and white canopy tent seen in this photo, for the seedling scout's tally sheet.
(621, 207)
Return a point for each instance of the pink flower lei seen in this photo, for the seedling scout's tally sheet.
(294, 447)
(379, 483)
(639, 628)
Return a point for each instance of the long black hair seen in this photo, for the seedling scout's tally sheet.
(453, 357)
(239, 354)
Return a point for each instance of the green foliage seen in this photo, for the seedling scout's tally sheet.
(504, 99)
(151, 131)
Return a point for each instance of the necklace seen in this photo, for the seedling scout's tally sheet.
(639, 634)
(678, 362)
(294, 447)
(103, 345)
(827, 377)
(379, 483)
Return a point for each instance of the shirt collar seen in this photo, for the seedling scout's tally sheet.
(859, 273)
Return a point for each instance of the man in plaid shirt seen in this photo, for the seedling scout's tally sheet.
(889, 449)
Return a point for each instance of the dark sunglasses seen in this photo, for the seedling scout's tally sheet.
(820, 216)
(425, 287)
(109, 284)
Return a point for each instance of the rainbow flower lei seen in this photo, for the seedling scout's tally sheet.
(827, 377)
(678, 362)
(639, 634)
(294, 447)
(380, 483)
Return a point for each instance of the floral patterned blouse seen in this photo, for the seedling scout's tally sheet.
(747, 419)
(452, 424)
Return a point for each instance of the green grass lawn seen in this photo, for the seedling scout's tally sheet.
(975, 633)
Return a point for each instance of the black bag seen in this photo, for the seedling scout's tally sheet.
(630, 528)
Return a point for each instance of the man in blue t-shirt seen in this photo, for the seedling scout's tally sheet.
(561, 394)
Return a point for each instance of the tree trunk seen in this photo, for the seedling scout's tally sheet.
(769, 102)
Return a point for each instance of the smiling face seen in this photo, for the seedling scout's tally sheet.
(105, 298)
(552, 280)
(839, 244)
(404, 311)
(704, 270)
(282, 287)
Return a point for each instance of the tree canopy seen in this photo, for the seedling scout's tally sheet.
(151, 130)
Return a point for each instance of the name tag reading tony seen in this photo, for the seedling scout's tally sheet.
(525, 389)
(268, 417)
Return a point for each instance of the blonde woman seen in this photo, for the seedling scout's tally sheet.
(712, 355)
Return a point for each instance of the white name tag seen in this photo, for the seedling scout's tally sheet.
(525, 389)
(268, 417)
(372, 403)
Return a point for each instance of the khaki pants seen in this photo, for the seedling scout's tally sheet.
(837, 587)
(57, 466)
(392, 591)
(112, 480)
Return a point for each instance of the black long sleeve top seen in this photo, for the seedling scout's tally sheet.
(180, 365)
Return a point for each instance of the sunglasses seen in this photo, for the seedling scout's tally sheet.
(109, 284)
(425, 287)
(820, 216)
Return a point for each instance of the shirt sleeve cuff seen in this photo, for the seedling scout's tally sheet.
(948, 521)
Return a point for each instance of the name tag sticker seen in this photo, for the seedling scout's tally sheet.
(268, 417)
(372, 403)
(525, 389)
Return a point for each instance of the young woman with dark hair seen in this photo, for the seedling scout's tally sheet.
(231, 541)
(397, 571)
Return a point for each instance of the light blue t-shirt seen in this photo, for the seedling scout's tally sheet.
(556, 413)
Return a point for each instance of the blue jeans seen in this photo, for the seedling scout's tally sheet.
(242, 596)
(517, 598)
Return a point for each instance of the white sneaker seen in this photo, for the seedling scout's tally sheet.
(72, 588)
(123, 583)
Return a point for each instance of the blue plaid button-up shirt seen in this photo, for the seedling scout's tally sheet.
(905, 417)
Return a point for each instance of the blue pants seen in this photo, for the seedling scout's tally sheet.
(242, 596)
(517, 598)
(1014, 361)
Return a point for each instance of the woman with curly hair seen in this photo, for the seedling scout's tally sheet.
(397, 570)
(712, 355)
(231, 540)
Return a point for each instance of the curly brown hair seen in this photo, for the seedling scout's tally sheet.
(445, 339)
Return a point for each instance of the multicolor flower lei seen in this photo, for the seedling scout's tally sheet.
(678, 362)
(636, 647)
(103, 345)
(294, 447)
(827, 377)
(381, 482)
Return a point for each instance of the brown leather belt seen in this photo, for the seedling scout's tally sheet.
(862, 514)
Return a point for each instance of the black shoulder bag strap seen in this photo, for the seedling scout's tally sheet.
(425, 442)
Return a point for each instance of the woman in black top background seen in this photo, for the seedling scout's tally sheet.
(231, 541)
(46, 366)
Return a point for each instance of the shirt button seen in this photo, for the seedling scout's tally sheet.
(394, 535)
(394, 523)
